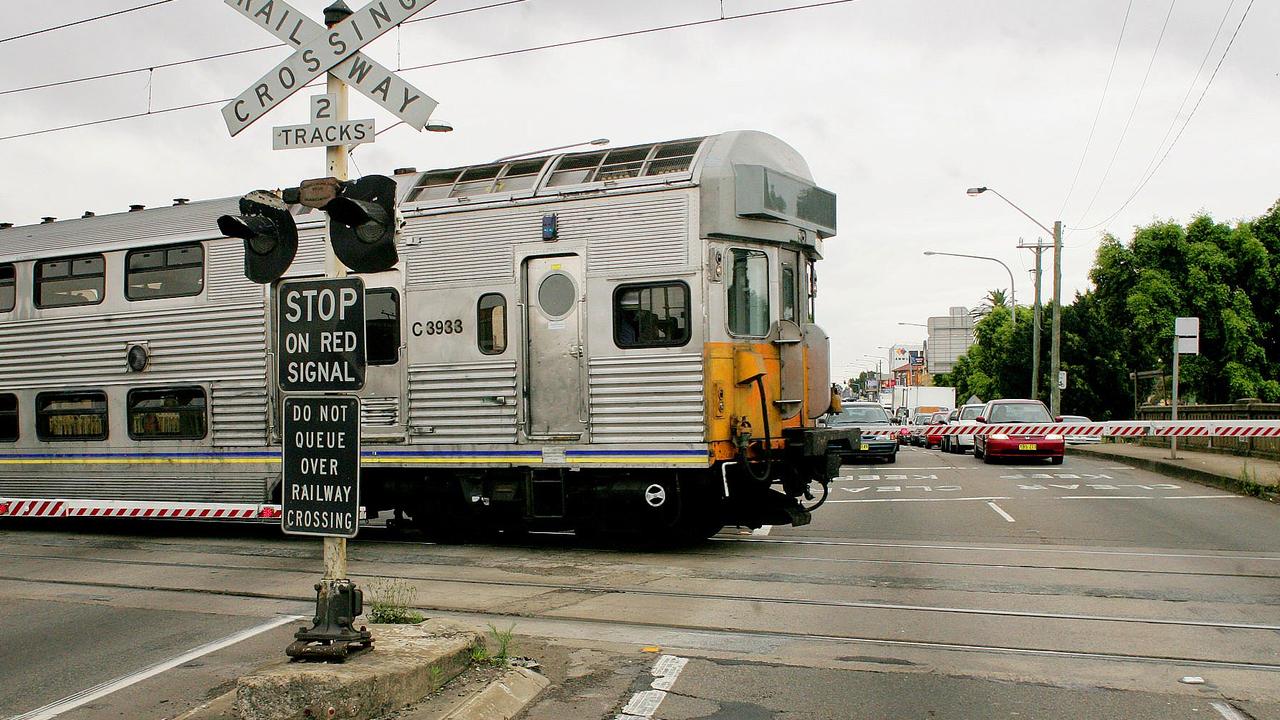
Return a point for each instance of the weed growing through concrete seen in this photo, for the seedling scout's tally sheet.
(391, 601)
(502, 638)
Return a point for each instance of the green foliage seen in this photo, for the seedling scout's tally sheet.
(1227, 275)
(390, 603)
(480, 653)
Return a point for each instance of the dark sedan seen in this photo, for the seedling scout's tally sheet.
(876, 444)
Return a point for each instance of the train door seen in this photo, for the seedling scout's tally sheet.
(383, 409)
(554, 356)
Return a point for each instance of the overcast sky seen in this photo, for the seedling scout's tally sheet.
(898, 105)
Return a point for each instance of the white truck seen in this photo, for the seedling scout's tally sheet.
(908, 401)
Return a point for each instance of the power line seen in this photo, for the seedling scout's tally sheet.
(1187, 122)
(487, 56)
(85, 20)
(1098, 113)
(230, 53)
(1132, 111)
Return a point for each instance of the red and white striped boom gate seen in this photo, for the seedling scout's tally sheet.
(52, 507)
(1119, 428)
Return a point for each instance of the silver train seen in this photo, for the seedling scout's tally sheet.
(613, 341)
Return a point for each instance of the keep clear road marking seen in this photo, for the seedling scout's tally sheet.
(1003, 514)
(644, 704)
(762, 530)
(83, 697)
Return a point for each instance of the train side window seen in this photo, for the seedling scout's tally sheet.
(382, 326)
(8, 417)
(749, 293)
(491, 324)
(70, 281)
(8, 287)
(651, 315)
(71, 415)
(788, 291)
(167, 413)
(164, 272)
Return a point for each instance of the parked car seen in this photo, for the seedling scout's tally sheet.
(932, 434)
(998, 444)
(875, 444)
(1079, 439)
(963, 415)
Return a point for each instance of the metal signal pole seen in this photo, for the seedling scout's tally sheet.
(1055, 347)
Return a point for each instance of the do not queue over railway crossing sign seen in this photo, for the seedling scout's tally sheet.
(320, 50)
(321, 490)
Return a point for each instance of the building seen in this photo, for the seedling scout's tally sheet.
(950, 336)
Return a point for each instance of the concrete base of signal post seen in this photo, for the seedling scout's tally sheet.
(408, 663)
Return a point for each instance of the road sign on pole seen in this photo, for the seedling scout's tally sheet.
(321, 53)
(321, 341)
(1186, 340)
(321, 490)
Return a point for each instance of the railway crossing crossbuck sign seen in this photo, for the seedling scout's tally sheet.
(335, 50)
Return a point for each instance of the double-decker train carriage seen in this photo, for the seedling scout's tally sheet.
(616, 340)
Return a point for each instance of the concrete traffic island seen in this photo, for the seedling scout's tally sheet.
(407, 663)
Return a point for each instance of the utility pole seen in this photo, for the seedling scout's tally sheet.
(1055, 346)
(1038, 248)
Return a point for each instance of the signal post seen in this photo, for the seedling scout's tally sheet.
(320, 331)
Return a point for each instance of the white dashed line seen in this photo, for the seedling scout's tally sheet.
(762, 531)
(644, 704)
(1226, 711)
(1003, 514)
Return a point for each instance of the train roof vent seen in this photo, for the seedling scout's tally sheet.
(46, 220)
(181, 201)
(136, 208)
(5, 226)
(625, 163)
(88, 214)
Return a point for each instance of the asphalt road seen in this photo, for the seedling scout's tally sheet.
(934, 587)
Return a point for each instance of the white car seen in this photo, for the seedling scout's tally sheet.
(1079, 439)
(962, 415)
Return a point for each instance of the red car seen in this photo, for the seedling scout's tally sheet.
(933, 431)
(1041, 442)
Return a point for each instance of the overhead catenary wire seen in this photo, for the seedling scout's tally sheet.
(1182, 129)
(83, 21)
(487, 56)
(229, 53)
(1132, 111)
(1098, 113)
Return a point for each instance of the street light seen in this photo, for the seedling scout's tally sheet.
(914, 324)
(597, 141)
(1055, 392)
(1013, 295)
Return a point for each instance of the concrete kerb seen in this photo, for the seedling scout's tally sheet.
(408, 662)
(502, 699)
(1236, 484)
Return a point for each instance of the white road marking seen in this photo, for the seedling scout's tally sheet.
(88, 695)
(929, 499)
(1117, 467)
(1145, 497)
(762, 531)
(644, 704)
(997, 548)
(1003, 514)
(1226, 711)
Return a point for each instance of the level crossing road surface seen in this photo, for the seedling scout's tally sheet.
(937, 586)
